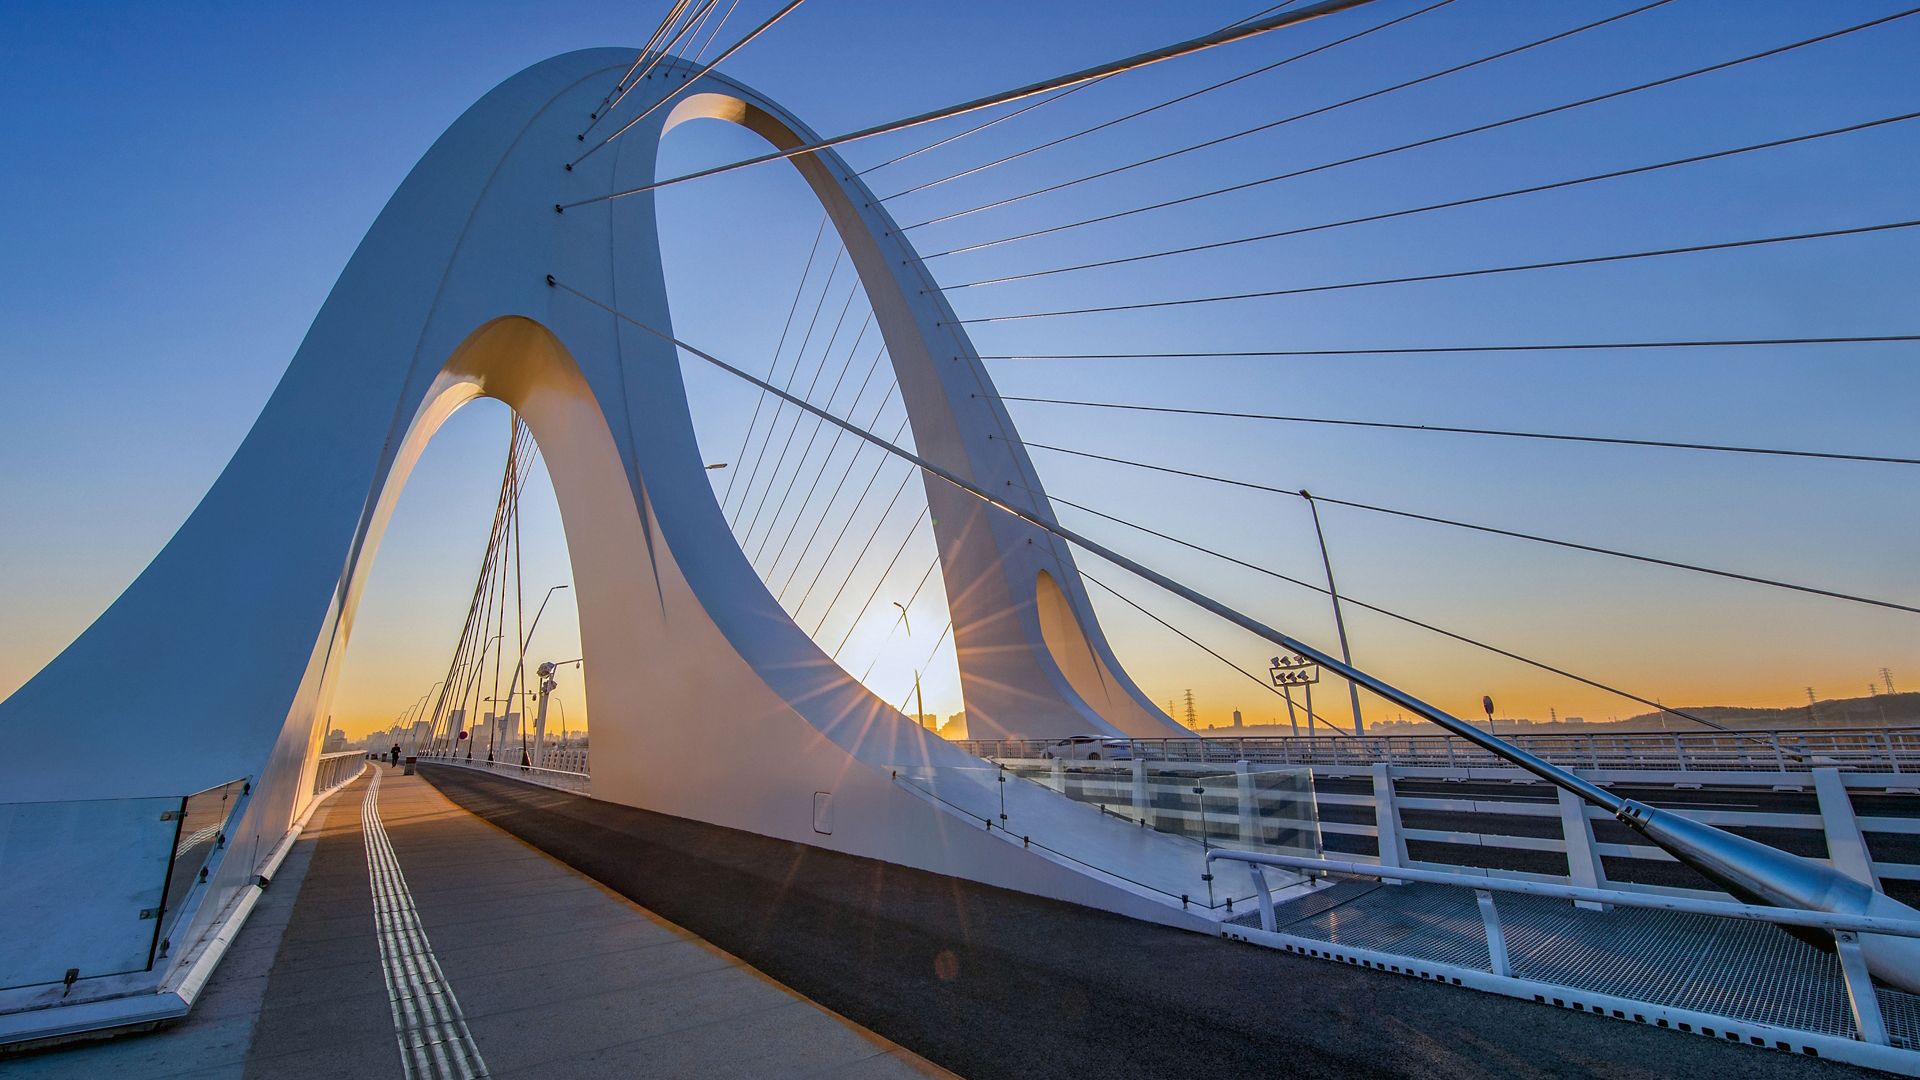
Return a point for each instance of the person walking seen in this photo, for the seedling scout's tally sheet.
(395, 753)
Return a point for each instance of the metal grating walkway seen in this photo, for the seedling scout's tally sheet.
(1743, 971)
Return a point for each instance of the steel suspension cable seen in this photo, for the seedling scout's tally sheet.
(1444, 429)
(1374, 155)
(462, 650)
(1157, 106)
(715, 32)
(1293, 118)
(639, 69)
(827, 507)
(1408, 619)
(761, 398)
(913, 530)
(1450, 204)
(1422, 350)
(639, 58)
(1455, 275)
(779, 462)
(1388, 692)
(779, 407)
(880, 649)
(1196, 642)
(1493, 530)
(806, 452)
(671, 94)
(1131, 63)
(1030, 106)
(935, 651)
(820, 474)
(664, 51)
(861, 555)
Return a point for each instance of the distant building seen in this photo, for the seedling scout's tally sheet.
(1237, 722)
(336, 742)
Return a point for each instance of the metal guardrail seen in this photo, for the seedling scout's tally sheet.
(579, 783)
(1888, 749)
(336, 768)
(1845, 929)
(1841, 829)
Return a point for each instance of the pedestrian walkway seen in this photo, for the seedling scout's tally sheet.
(457, 950)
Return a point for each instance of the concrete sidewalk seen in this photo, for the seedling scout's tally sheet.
(483, 956)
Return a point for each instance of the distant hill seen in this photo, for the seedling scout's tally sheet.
(1879, 710)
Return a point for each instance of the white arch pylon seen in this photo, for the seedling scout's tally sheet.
(707, 701)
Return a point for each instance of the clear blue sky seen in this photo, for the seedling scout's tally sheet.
(183, 182)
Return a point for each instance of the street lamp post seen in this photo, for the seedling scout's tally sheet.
(919, 703)
(520, 668)
(1288, 672)
(1339, 621)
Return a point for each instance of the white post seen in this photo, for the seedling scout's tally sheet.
(540, 732)
(1142, 799)
(1846, 848)
(1868, 1022)
(1249, 812)
(1584, 868)
(1497, 960)
(1386, 818)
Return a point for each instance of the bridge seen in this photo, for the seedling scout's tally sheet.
(804, 880)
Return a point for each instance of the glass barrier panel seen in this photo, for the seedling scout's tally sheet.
(1142, 822)
(82, 885)
(205, 819)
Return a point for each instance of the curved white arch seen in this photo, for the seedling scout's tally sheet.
(707, 701)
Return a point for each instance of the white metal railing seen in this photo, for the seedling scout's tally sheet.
(1861, 996)
(1842, 829)
(1886, 749)
(336, 768)
(579, 783)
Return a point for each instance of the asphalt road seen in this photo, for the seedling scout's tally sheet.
(991, 983)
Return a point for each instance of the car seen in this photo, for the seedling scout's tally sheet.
(1089, 748)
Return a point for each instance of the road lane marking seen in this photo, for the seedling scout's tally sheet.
(427, 1021)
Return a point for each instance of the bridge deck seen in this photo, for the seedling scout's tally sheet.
(476, 951)
(991, 983)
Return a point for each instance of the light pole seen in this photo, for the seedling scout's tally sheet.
(919, 703)
(1339, 621)
(521, 667)
(1486, 702)
(1288, 672)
